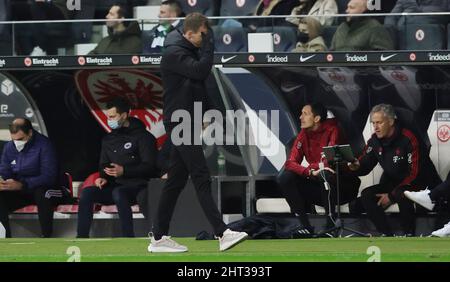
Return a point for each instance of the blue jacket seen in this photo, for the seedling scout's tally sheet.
(35, 166)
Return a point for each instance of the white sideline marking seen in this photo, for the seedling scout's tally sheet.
(25, 243)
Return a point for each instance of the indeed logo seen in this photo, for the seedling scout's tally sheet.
(356, 58)
(277, 59)
(151, 60)
(438, 57)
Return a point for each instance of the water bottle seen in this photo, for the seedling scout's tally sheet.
(2, 231)
(221, 169)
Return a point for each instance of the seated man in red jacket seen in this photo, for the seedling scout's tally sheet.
(305, 184)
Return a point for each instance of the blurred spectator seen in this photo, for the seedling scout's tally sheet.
(271, 8)
(316, 9)
(309, 36)
(169, 9)
(417, 6)
(5, 30)
(43, 10)
(360, 33)
(122, 38)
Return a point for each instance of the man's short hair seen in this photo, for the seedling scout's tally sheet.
(122, 12)
(21, 124)
(194, 21)
(387, 110)
(121, 105)
(318, 109)
(174, 6)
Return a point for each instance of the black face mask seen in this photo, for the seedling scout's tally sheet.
(303, 37)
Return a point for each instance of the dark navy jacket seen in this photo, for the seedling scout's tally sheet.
(132, 147)
(35, 166)
(403, 159)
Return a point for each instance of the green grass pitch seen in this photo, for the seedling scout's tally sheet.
(314, 250)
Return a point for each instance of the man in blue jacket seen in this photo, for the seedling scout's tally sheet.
(28, 171)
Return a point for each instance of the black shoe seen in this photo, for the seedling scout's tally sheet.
(303, 233)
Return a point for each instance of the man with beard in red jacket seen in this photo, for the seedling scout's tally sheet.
(302, 185)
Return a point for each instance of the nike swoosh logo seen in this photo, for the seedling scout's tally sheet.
(380, 88)
(306, 59)
(289, 89)
(223, 60)
(384, 59)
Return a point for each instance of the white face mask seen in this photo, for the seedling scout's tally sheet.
(20, 144)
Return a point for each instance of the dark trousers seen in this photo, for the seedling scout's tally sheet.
(123, 196)
(11, 201)
(300, 192)
(184, 161)
(376, 213)
(442, 191)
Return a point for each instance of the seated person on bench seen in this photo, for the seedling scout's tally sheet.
(127, 161)
(406, 167)
(29, 172)
(305, 184)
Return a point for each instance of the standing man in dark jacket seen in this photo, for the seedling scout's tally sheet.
(123, 38)
(29, 171)
(127, 161)
(301, 184)
(186, 63)
(406, 166)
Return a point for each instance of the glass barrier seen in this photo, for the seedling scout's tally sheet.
(324, 33)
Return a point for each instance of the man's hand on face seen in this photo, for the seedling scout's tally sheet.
(115, 170)
(207, 38)
(10, 185)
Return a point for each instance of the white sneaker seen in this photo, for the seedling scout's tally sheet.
(37, 51)
(421, 197)
(231, 238)
(443, 232)
(165, 245)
